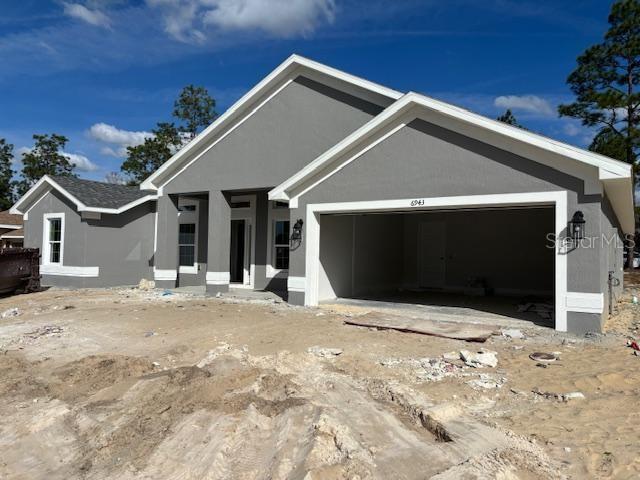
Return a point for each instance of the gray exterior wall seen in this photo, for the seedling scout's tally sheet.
(120, 245)
(424, 160)
(298, 124)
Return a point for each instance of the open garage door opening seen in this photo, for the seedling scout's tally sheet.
(487, 263)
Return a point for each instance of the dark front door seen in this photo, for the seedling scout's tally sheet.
(237, 251)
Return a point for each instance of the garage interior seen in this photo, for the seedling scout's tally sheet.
(488, 260)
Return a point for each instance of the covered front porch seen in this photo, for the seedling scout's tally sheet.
(218, 240)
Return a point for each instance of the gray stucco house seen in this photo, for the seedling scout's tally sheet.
(327, 185)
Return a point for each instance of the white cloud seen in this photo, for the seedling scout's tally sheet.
(80, 162)
(187, 20)
(110, 134)
(119, 152)
(525, 103)
(280, 18)
(571, 129)
(92, 17)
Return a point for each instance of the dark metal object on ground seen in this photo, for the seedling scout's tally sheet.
(543, 357)
(19, 270)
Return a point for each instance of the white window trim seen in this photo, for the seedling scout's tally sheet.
(274, 215)
(46, 246)
(187, 217)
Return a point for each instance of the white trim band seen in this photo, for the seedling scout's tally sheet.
(585, 302)
(165, 275)
(67, 271)
(218, 278)
(296, 284)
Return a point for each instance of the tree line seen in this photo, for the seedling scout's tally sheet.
(193, 110)
(605, 84)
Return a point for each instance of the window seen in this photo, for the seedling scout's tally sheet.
(187, 208)
(187, 244)
(241, 204)
(53, 239)
(278, 204)
(281, 244)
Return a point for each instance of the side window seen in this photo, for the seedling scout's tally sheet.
(53, 239)
(281, 244)
(187, 244)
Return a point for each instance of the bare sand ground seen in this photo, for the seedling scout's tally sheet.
(130, 384)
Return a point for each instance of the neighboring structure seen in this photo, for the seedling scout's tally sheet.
(89, 233)
(328, 185)
(11, 233)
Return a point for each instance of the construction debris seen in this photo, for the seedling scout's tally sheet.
(480, 359)
(469, 332)
(324, 352)
(512, 333)
(486, 382)
(561, 397)
(543, 357)
(12, 312)
(146, 285)
(44, 331)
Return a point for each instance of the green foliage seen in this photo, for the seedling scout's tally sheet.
(609, 143)
(605, 84)
(45, 158)
(143, 160)
(195, 108)
(510, 118)
(6, 173)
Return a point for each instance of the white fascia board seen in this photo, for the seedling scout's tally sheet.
(288, 67)
(38, 190)
(608, 168)
(11, 226)
(11, 236)
(124, 208)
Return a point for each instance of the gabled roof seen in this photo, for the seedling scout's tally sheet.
(615, 174)
(292, 67)
(9, 220)
(87, 195)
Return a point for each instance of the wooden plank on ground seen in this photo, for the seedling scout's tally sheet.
(470, 332)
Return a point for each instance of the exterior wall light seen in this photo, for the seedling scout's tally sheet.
(576, 226)
(296, 235)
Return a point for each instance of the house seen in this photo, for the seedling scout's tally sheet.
(11, 233)
(90, 234)
(327, 185)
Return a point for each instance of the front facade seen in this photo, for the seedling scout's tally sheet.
(325, 185)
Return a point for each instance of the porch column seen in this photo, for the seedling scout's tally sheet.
(218, 250)
(166, 254)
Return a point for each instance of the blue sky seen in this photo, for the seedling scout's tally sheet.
(103, 72)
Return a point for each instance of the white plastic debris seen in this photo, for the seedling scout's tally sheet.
(146, 284)
(480, 359)
(512, 333)
(12, 312)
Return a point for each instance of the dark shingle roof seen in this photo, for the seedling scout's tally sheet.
(100, 194)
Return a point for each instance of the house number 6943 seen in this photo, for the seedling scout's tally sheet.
(417, 203)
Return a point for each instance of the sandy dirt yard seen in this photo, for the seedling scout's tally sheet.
(133, 384)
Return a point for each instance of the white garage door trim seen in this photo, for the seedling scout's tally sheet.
(557, 199)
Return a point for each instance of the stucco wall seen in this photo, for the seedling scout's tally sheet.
(120, 245)
(294, 127)
(424, 160)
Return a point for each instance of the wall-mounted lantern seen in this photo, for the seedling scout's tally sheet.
(576, 226)
(296, 235)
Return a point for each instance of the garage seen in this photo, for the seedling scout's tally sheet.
(490, 259)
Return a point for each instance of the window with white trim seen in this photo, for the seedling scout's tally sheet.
(281, 244)
(53, 241)
(187, 244)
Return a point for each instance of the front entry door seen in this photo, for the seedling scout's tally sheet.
(236, 261)
(431, 252)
